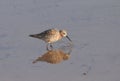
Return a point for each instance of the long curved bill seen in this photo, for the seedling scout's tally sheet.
(68, 38)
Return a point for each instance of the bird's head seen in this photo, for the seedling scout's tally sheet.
(63, 33)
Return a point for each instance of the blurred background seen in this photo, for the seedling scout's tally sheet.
(93, 26)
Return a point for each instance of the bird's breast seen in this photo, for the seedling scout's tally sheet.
(53, 38)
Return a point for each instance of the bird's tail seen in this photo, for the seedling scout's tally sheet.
(35, 36)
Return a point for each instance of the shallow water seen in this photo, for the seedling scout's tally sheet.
(93, 26)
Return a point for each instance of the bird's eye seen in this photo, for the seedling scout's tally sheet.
(64, 33)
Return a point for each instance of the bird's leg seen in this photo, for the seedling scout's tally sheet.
(47, 48)
(51, 46)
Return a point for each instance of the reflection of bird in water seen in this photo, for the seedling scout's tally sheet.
(51, 35)
(53, 57)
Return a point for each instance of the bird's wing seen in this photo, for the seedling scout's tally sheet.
(48, 32)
